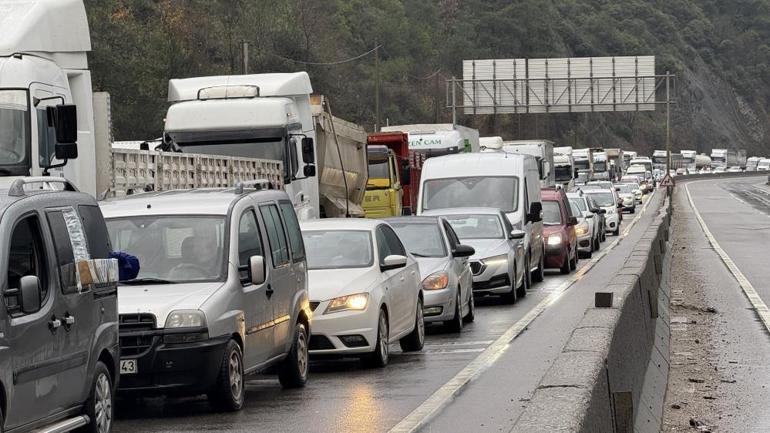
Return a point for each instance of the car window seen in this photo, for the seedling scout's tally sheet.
(65, 257)
(275, 234)
(454, 241)
(249, 241)
(357, 252)
(551, 213)
(292, 227)
(476, 226)
(383, 248)
(394, 243)
(96, 231)
(26, 256)
(421, 239)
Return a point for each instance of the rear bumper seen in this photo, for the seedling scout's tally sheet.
(555, 256)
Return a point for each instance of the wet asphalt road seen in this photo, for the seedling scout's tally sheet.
(342, 395)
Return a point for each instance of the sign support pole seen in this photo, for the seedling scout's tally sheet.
(668, 124)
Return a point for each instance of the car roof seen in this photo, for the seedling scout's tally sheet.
(463, 211)
(341, 224)
(201, 201)
(596, 191)
(422, 219)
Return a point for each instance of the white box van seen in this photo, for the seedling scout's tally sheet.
(499, 180)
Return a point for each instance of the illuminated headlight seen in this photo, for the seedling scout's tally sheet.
(357, 302)
(436, 281)
(554, 240)
(581, 229)
(496, 260)
(186, 319)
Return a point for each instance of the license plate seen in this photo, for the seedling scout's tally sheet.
(128, 366)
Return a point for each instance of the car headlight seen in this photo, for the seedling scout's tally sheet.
(496, 260)
(356, 302)
(554, 240)
(186, 319)
(581, 229)
(436, 281)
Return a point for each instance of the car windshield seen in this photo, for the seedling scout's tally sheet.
(174, 248)
(14, 126)
(603, 199)
(421, 239)
(627, 188)
(578, 205)
(483, 191)
(338, 249)
(551, 213)
(476, 226)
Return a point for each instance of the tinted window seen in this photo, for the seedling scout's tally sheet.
(26, 257)
(275, 234)
(551, 213)
(96, 232)
(292, 226)
(421, 239)
(383, 249)
(394, 243)
(249, 240)
(454, 241)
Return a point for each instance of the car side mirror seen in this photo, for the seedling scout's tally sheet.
(617, 188)
(30, 294)
(393, 261)
(463, 251)
(590, 215)
(308, 152)
(517, 234)
(572, 221)
(309, 170)
(535, 212)
(602, 211)
(257, 270)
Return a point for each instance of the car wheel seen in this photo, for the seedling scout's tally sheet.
(574, 261)
(527, 273)
(471, 316)
(522, 290)
(379, 357)
(416, 339)
(2, 420)
(539, 275)
(595, 244)
(99, 405)
(294, 369)
(456, 324)
(633, 209)
(228, 393)
(566, 265)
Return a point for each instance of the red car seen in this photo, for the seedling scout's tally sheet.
(559, 231)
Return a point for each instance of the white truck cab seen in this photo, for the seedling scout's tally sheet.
(265, 116)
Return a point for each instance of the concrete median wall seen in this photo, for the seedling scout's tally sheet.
(598, 381)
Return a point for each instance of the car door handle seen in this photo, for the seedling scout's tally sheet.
(68, 322)
(269, 292)
(54, 324)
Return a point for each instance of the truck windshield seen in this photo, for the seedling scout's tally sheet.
(600, 166)
(582, 164)
(482, 191)
(563, 173)
(269, 143)
(175, 248)
(378, 166)
(14, 131)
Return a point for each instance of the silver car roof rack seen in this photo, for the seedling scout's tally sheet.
(17, 187)
(257, 184)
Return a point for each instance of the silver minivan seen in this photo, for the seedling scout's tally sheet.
(221, 291)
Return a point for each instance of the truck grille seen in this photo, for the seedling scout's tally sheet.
(477, 268)
(136, 334)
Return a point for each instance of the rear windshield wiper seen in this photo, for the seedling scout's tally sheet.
(139, 281)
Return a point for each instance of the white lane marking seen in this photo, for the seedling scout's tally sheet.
(460, 343)
(756, 301)
(443, 352)
(420, 416)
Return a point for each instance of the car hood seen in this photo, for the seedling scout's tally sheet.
(429, 265)
(325, 284)
(162, 299)
(487, 247)
(552, 230)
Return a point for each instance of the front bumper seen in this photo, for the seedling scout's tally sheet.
(439, 304)
(344, 333)
(491, 279)
(183, 368)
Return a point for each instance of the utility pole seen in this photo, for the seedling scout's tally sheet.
(668, 124)
(245, 56)
(377, 86)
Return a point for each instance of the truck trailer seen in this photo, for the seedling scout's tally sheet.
(439, 139)
(542, 150)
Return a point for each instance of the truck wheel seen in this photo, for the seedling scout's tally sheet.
(294, 369)
(416, 339)
(379, 357)
(456, 324)
(99, 405)
(228, 393)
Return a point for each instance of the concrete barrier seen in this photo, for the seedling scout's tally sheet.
(596, 383)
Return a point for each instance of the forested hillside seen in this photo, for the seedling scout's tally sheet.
(720, 50)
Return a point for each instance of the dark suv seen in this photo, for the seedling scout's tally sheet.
(58, 324)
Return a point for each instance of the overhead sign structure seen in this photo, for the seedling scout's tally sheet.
(563, 85)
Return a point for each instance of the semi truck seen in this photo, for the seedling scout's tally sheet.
(688, 159)
(439, 139)
(542, 150)
(602, 169)
(617, 163)
(394, 175)
(584, 162)
(728, 158)
(628, 155)
(659, 159)
(564, 167)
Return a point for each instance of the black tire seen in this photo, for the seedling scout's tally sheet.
(633, 209)
(456, 324)
(294, 369)
(566, 265)
(99, 407)
(539, 274)
(228, 392)
(595, 244)
(574, 261)
(471, 316)
(379, 357)
(2, 420)
(521, 291)
(416, 339)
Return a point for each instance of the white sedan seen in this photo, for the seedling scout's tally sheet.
(365, 290)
